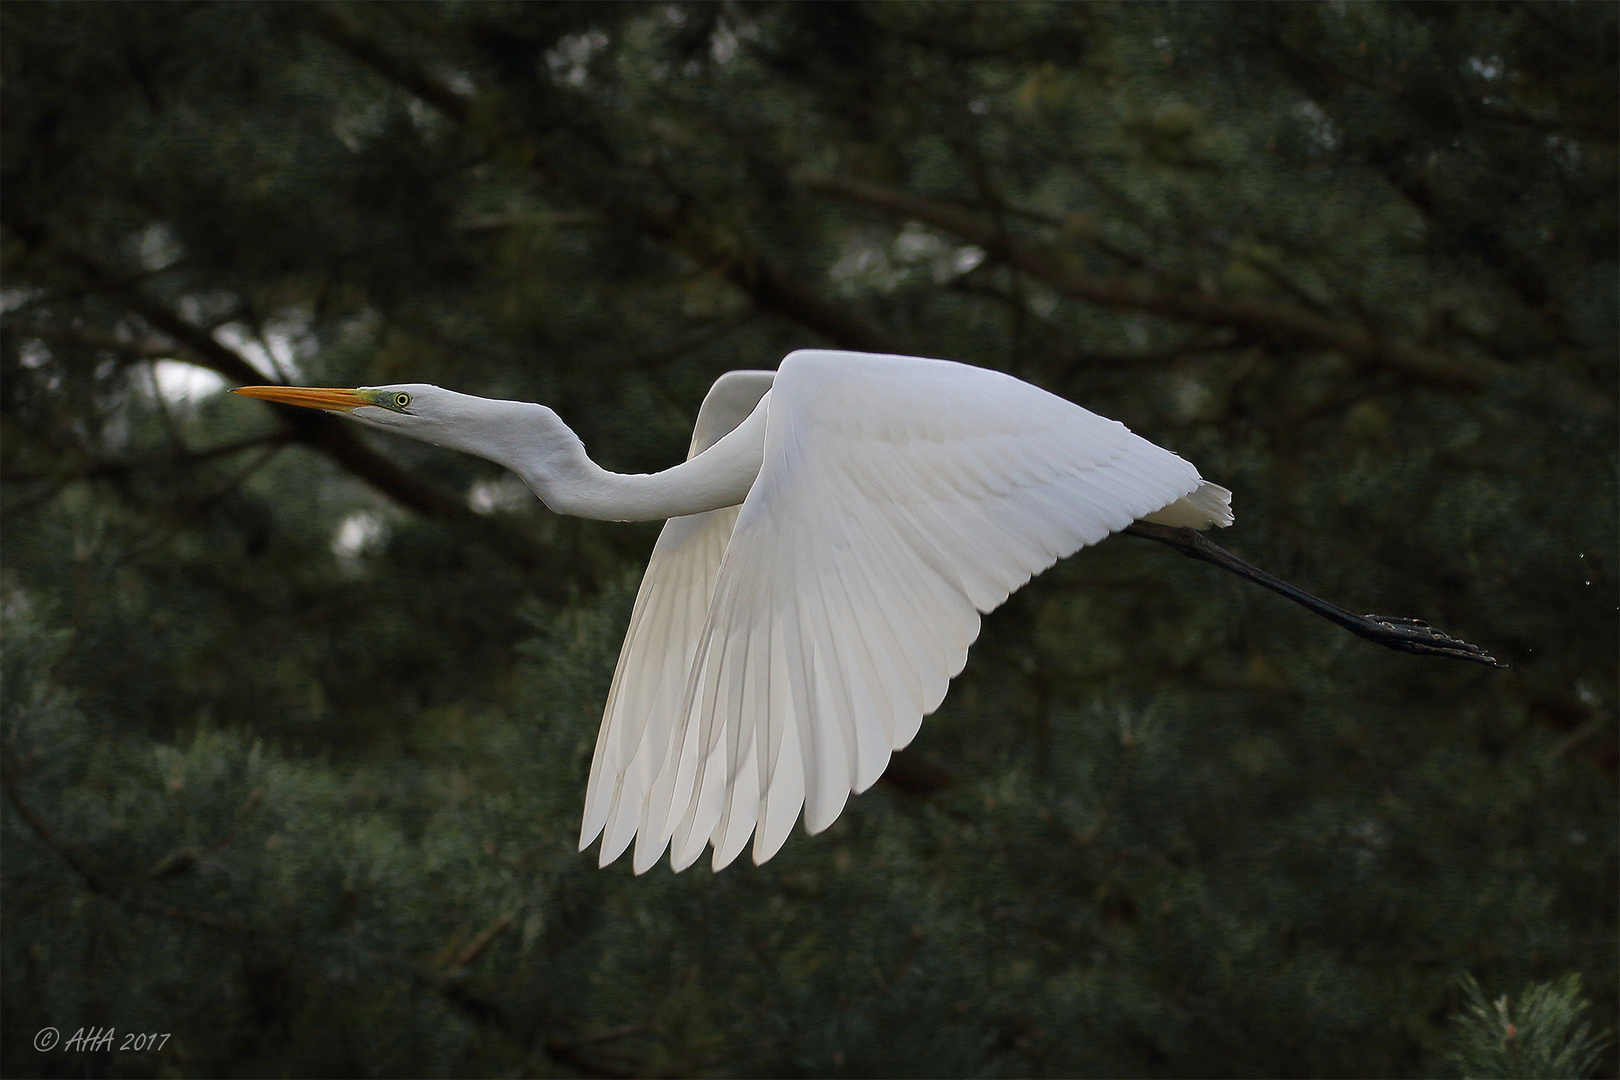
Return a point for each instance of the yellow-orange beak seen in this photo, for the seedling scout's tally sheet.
(308, 396)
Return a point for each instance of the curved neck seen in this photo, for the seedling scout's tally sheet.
(533, 442)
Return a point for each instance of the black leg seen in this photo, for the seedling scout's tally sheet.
(1407, 635)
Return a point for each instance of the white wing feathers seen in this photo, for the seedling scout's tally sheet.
(898, 499)
(670, 610)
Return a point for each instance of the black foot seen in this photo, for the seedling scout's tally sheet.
(1417, 636)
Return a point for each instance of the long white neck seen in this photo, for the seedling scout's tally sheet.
(533, 442)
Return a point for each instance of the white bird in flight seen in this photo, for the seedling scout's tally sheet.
(833, 537)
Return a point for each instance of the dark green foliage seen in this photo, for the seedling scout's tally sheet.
(1537, 1038)
(297, 721)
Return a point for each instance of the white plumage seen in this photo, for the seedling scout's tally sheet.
(780, 652)
(833, 537)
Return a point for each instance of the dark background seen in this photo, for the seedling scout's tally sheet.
(297, 717)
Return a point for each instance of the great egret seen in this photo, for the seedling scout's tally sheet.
(836, 531)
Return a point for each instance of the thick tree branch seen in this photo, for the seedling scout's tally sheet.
(1054, 269)
(775, 290)
(310, 428)
(330, 437)
(336, 28)
(770, 287)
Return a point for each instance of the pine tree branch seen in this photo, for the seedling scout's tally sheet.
(198, 507)
(56, 482)
(131, 350)
(475, 1007)
(494, 1015)
(1051, 267)
(1540, 1034)
(93, 881)
(334, 26)
(481, 942)
(771, 287)
(96, 469)
(324, 434)
(312, 429)
(1404, 160)
(569, 1052)
(1067, 360)
(48, 837)
(249, 807)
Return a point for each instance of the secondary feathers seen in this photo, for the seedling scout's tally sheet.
(780, 651)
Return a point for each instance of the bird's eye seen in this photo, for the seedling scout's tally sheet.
(401, 400)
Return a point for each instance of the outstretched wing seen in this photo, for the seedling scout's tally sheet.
(671, 607)
(899, 498)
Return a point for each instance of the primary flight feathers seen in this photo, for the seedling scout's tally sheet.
(780, 651)
(835, 533)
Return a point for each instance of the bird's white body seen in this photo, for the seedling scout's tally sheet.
(833, 538)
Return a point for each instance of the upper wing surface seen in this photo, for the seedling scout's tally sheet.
(898, 499)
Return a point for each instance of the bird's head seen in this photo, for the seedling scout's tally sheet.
(524, 437)
(414, 409)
